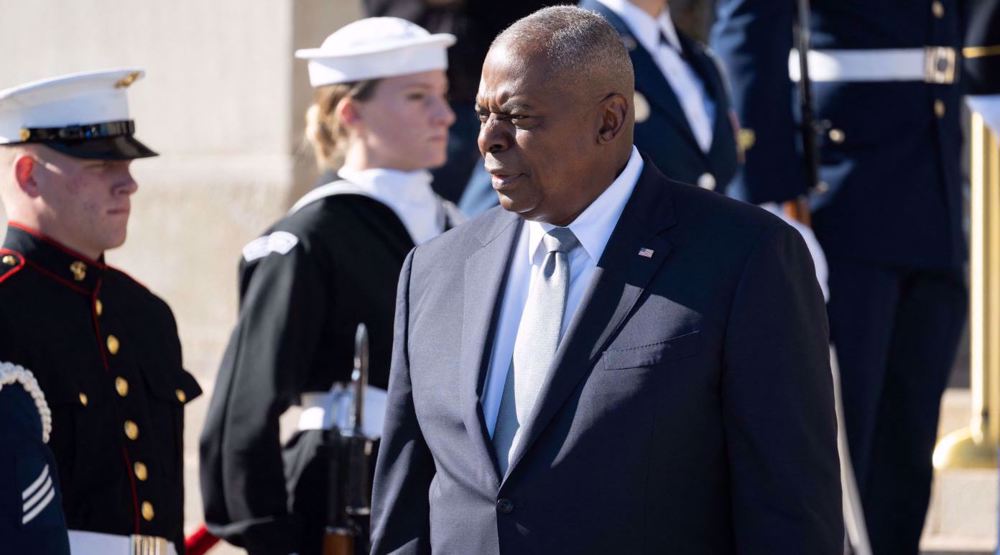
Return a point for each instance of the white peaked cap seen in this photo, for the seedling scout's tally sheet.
(82, 114)
(376, 47)
(74, 99)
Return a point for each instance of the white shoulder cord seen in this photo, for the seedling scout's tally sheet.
(11, 373)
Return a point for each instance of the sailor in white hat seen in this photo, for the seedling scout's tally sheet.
(103, 348)
(380, 119)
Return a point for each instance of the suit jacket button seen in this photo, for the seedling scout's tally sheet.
(505, 506)
(707, 181)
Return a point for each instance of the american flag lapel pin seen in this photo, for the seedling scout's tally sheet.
(648, 253)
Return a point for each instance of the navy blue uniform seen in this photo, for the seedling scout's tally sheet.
(665, 137)
(888, 217)
(31, 517)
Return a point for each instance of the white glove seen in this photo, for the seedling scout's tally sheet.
(819, 259)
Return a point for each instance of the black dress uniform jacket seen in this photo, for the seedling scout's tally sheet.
(105, 352)
(335, 264)
(31, 517)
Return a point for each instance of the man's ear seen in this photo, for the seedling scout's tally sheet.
(614, 115)
(25, 166)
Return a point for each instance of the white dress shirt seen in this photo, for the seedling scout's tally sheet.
(592, 228)
(697, 105)
(408, 194)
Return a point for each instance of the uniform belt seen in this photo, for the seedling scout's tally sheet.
(931, 64)
(96, 543)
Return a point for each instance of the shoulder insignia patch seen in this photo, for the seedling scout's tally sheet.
(280, 242)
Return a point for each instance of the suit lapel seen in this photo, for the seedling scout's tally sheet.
(620, 279)
(485, 278)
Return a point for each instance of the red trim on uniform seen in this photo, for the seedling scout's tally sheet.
(67, 283)
(97, 328)
(15, 269)
(57, 244)
(107, 368)
(135, 495)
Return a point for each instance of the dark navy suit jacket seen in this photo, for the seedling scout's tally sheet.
(890, 161)
(689, 409)
(666, 137)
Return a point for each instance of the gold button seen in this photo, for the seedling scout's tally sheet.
(746, 139)
(131, 430)
(113, 344)
(79, 270)
(98, 306)
(147, 511)
(939, 108)
(938, 9)
(141, 472)
(836, 135)
(83, 398)
(121, 386)
(9, 260)
(180, 395)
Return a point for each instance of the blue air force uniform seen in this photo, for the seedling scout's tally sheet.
(31, 517)
(888, 213)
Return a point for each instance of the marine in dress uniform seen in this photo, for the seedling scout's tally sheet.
(31, 517)
(888, 213)
(305, 285)
(103, 348)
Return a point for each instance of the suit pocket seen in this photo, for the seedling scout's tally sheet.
(674, 348)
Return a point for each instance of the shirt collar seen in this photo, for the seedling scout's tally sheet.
(392, 186)
(408, 194)
(646, 29)
(594, 225)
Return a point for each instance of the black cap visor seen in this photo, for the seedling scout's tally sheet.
(122, 147)
(109, 140)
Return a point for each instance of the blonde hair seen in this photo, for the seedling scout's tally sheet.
(324, 130)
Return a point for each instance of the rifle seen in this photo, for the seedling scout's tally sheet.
(798, 209)
(351, 466)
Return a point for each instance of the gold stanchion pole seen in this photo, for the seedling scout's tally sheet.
(976, 446)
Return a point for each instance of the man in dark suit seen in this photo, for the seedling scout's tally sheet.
(612, 362)
(887, 212)
(684, 122)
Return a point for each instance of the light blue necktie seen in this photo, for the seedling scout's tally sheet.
(536, 343)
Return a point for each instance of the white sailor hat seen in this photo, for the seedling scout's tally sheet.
(82, 114)
(376, 47)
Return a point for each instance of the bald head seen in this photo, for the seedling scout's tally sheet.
(578, 48)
